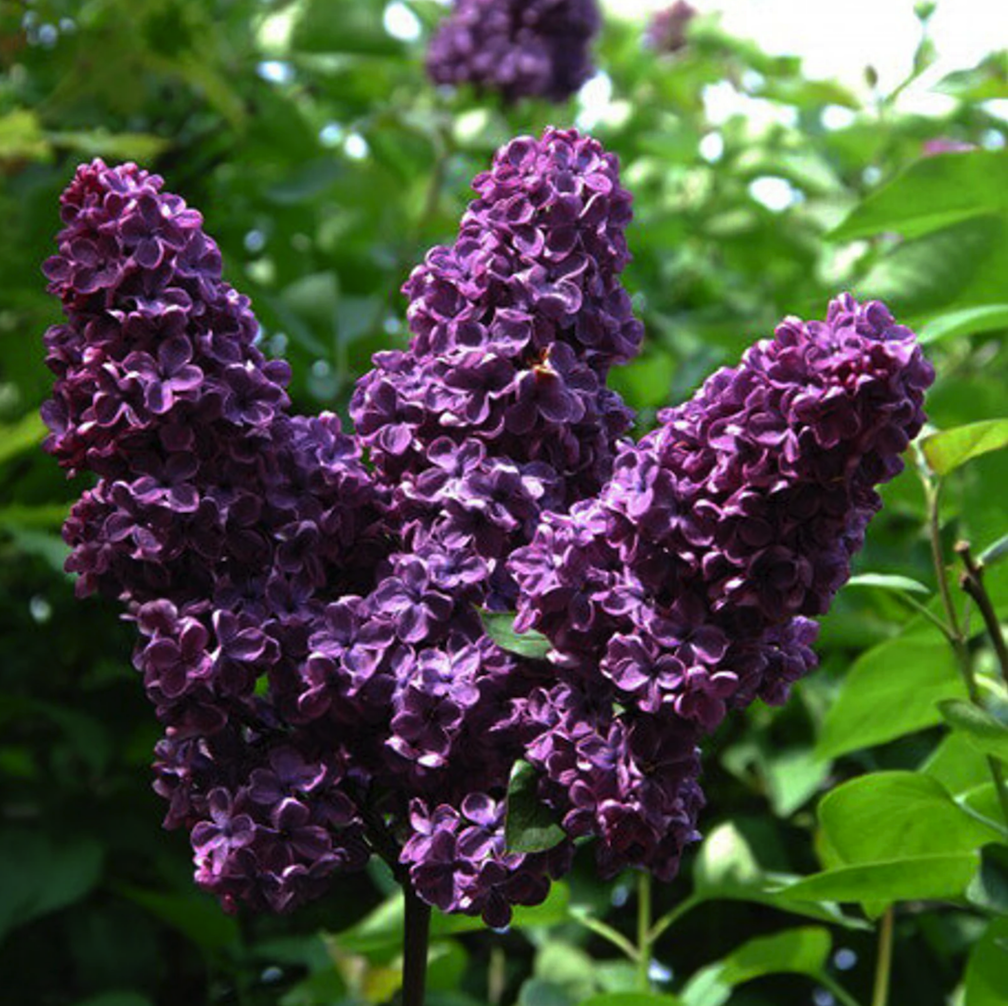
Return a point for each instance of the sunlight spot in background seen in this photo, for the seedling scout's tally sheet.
(712, 147)
(276, 71)
(594, 98)
(356, 147)
(331, 134)
(401, 23)
(837, 117)
(774, 193)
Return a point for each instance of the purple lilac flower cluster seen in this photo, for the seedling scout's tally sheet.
(519, 48)
(684, 588)
(666, 32)
(497, 412)
(225, 525)
(309, 623)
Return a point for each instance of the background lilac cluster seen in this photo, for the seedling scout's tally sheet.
(518, 48)
(666, 31)
(308, 601)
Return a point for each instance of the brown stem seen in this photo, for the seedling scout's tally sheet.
(972, 583)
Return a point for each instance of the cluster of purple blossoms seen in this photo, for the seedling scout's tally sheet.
(310, 623)
(518, 48)
(684, 588)
(224, 524)
(666, 31)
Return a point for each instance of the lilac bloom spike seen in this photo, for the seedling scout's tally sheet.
(310, 628)
(518, 48)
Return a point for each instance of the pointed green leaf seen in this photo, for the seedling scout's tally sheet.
(887, 882)
(892, 689)
(887, 816)
(969, 321)
(499, 626)
(980, 729)
(795, 951)
(949, 449)
(24, 435)
(987, 970)
(932, 193)
(529, 825)
(886, 581)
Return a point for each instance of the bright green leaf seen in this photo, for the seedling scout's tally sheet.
(499, 626)
(885, 581)
(981, 730)
(24, 435)
(933, 193)
(886, 882)
(887, 816)
(949, 449)
(987, 970)
(891, 690)
(969, 321)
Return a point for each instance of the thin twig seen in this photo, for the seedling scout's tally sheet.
(972, 582)
(932, 491)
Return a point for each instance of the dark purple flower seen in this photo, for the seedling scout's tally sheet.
(518, 48)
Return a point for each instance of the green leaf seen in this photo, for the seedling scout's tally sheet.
(995, 552)
(887, 882)
(887, 816)
(794, 951)
(948, 450)
(957, 765)
(196, 916)
(969, 321)
(933, 193)
(986, 976)
(891, 690)
(726, 869)
(24, 435)
(499, 626)
(140, 147)
(529, 826)
(631, 999)
(348, 28)
(539, 992)
(38, 876)
(21, 137)
(885, 581)
(981, 730)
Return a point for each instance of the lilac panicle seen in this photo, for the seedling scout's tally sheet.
(308, 601)
(666, 31)
(687, 586)
(222, 522)
(496, 412)
(518, 48)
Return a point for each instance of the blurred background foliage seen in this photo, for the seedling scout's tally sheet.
(326, 166)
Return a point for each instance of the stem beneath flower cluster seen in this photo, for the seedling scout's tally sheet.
(644, 931)
(883, 965)
(417, 934)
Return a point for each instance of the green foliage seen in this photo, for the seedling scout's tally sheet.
(326, 166)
